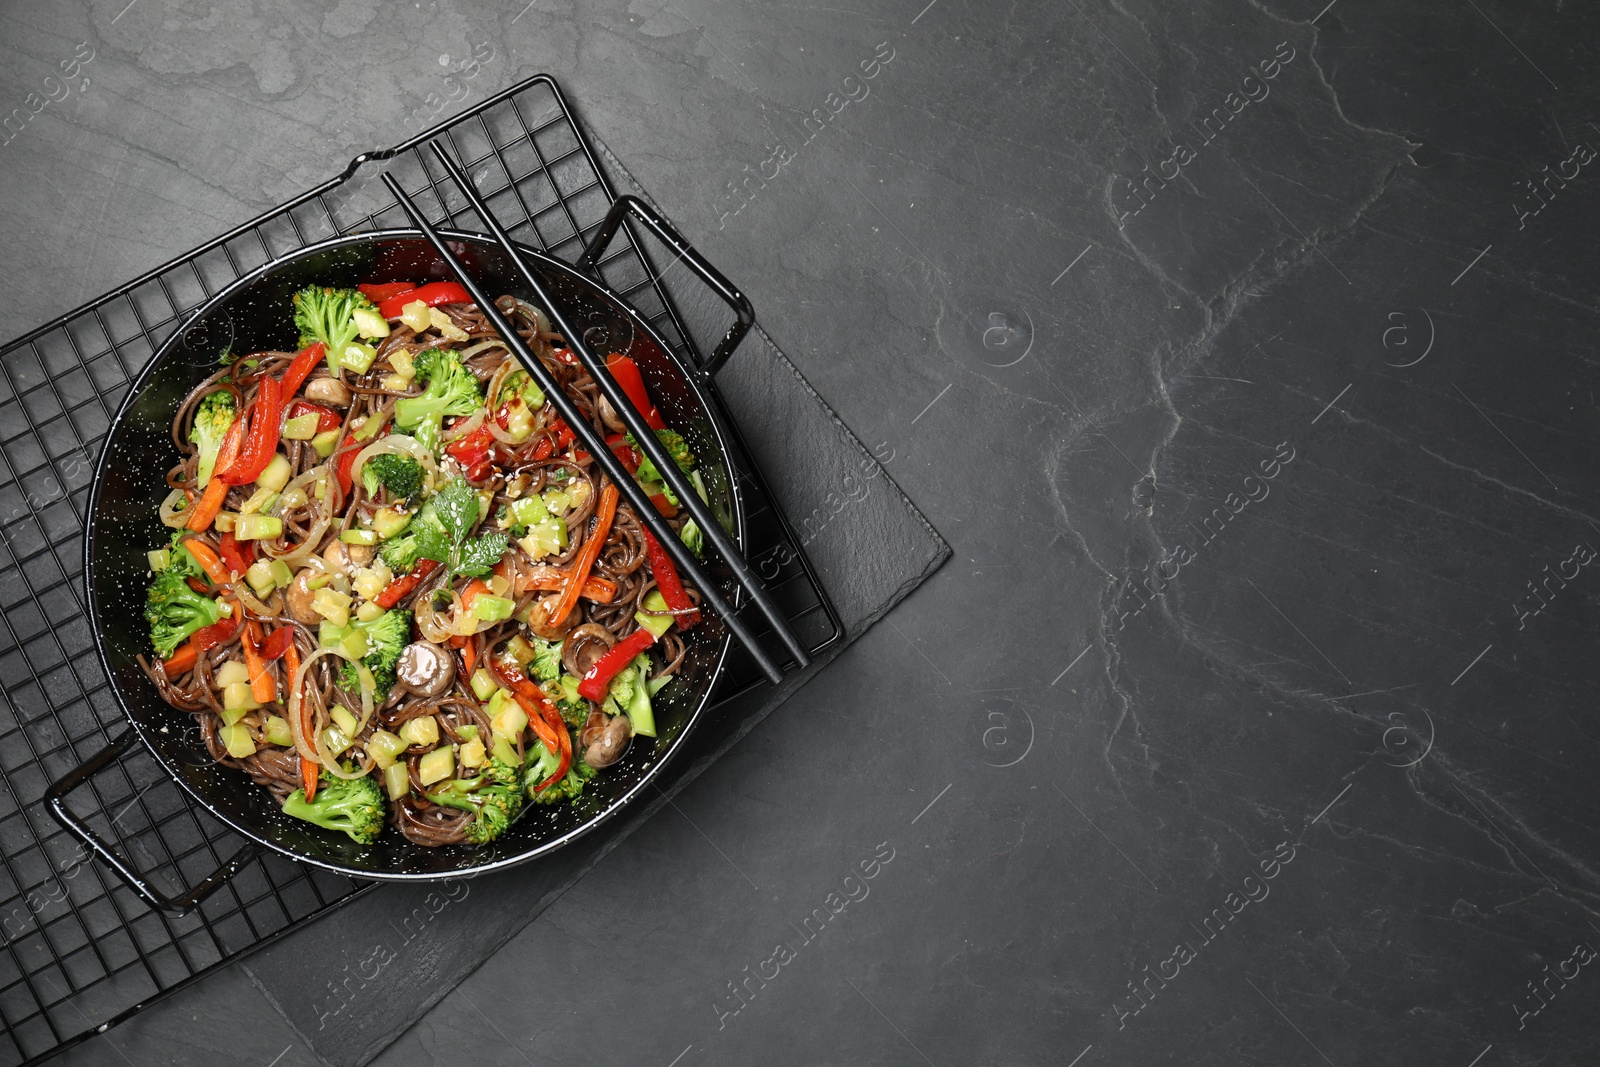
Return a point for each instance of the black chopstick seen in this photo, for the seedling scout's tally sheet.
(592, 441)
(634, 420)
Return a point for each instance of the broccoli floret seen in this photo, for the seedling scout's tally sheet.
(387, 637)
(325, 314)
(353, 806)
(542, 763)
(181, 561)
(572, 705)
(629, 695)
(546, 664)
(175, 611)
(401, 475)
(400, 553)
(519, 384)
(211, 421)
(648, 472)
(495, 797)
(452, 390)
(677, 448)
(692, 538)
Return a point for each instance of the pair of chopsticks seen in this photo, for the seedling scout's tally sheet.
(595, 443)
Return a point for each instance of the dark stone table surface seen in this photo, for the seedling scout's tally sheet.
(1242, 350)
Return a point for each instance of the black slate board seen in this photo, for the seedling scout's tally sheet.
(389, 955)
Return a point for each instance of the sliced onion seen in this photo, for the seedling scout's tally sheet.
(539, 317)
(496, 381)
(307, 549)
(393, 445)
(297, 557)
(462, 429)
(504, 436)
(429, 621)
(257, 607)
(481, 346)
(171, 515)
(312, 748)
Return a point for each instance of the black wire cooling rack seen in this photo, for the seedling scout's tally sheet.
(78, 951)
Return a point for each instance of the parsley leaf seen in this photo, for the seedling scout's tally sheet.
(433, 543)
(448, 540)
(457, 508)
(479, 555)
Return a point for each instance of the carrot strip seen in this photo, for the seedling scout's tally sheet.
(208, 559)
(216, 493)
(467, 647)
(182, 661)
(475, 589)
(262, 687)
(310, 770)
(604, 514)
(547, 579)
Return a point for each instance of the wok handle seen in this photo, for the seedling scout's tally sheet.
(56, 795)
(627, 204)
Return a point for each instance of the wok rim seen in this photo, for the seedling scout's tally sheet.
(694, 380)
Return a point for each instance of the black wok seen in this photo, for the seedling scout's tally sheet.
(251, 315)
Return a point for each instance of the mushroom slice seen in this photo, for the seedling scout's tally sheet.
(298, 597)
(610, 743)
(425, 669)
(329, 391)
(609, 416)
(583, 648)
(343, 559)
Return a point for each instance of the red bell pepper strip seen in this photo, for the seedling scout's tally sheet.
(472, 451)
(381, 291)
(433, 294)
(626, 372)
(667, 508)
(211, 501)
(618, 443)
(598, 679)
(542, 716)
(401, 587)
(277, 644)
(202, 640)
(303, 363)
(347, 460)
(327, 418)
(236, 555)
(671, 586)
(209, 637)
(261, 440)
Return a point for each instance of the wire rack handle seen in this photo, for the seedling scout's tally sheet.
(628, 204)
(181, 904)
